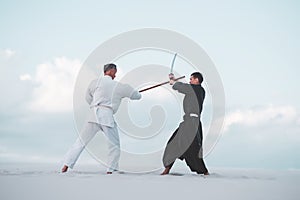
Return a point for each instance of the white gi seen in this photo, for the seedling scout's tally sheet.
(104, 96)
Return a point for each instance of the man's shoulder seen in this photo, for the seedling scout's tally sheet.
(102, 80)
(198, 88)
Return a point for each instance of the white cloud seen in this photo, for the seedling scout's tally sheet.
(55, 81)
(263, 115)
(7, 53)
(25, 77)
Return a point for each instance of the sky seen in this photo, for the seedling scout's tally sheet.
(253, 44)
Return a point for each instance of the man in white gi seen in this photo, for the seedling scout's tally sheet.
(104, 96)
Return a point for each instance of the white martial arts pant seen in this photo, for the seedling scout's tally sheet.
(88, 132)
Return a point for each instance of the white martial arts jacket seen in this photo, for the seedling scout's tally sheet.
(104, 96)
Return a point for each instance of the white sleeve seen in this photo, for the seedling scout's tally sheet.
(90, 92)
(135, 95)
(131, 93)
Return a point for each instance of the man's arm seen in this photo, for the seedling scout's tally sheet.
(133, 94)
(183, 88)
(90, 92)
(126, 90)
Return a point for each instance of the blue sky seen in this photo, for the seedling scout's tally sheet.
(254, 45)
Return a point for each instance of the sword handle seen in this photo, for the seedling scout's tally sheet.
(160, 84)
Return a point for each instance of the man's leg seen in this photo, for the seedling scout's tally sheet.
(88, 132)
(169, 151)
(194, 159)
(166, 159)
(113, 148)
(196, 164)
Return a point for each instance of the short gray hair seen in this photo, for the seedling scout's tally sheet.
(109, 66)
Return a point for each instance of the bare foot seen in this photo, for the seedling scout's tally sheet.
(166, 171)
(64, 169)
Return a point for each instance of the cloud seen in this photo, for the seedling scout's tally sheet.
(25, 77)
(270, 114)
(266, 136)
(55, 83)
(7, 53)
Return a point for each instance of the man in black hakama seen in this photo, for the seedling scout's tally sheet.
(186, 141)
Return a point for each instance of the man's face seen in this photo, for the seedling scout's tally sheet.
(111, 73)
(194, 81)
(114, 71)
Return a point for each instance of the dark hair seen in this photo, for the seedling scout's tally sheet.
(109, 66)
(198, 75)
